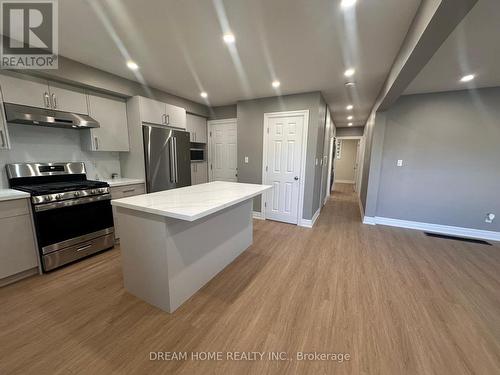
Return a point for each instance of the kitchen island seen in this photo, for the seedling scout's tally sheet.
(173, 242)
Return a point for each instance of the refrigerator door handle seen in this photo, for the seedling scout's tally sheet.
(176, 164)
(172, 161)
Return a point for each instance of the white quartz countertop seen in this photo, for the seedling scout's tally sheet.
(123, 181)
(9, 194)
(192, 202)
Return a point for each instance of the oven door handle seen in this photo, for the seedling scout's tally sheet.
(71, 202)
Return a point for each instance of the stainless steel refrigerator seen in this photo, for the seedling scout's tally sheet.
(167, 158)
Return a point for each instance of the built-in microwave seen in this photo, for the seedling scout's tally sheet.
(197, 154)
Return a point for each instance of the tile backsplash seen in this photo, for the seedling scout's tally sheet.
(40, 144)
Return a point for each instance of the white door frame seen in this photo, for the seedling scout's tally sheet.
(359, 153)
(210, 124)
(330, 162)
(302, 177)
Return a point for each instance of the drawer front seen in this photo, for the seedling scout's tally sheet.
(16, 207)
(127, 191)
(123, 192)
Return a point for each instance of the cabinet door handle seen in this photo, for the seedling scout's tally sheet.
(54, 101)
(128, 191)
(164, 119)
(167, 119)
(46, 99)
(96, 143)
(4, 144)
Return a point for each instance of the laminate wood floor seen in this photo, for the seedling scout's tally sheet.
(396, 301)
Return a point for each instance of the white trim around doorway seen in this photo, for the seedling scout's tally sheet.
(305, 113)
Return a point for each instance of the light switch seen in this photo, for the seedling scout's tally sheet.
(400, 163)
(246, 159)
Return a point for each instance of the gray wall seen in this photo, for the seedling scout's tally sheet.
(356, 131)
(344, 167)
(222, 112)
(449, 145)
(250, 114)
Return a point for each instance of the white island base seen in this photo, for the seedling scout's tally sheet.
(166, 260)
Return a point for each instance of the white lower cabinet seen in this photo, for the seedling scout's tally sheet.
(123, 192)
(18, 253)
(199, 173)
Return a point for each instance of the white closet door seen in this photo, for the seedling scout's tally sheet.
(223, 150)
(284, 149)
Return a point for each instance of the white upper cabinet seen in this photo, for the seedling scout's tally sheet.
(175, 116)
(159, 113)
(4, 132)
(152, 111)
(111, 113)
(30, 91)
(197, 128)
(68, 98)
(37, 92)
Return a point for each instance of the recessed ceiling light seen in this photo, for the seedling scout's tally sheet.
(276, 84)
(132, 65)
(229, 38)
(350, 84)
(203, 94)
(347, 3)
(350, 117)
(349, 72)
(467, 78)
(349, 124)
(349, 107)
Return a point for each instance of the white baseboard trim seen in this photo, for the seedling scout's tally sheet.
(434, 228)
(310, 223)
(258, 215)
(344, 181)
(369, 220)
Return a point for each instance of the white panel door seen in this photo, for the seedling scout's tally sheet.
(284, 158)
(223, 158)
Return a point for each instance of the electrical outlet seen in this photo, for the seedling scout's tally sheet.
(489, 218)
(399, 163)
(246, 159)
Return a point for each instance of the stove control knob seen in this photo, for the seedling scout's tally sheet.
(102, 190)
(76, 193)
(59, 196)
(46, 198)
(94, 191)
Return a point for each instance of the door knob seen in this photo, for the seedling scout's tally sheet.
(296, 178)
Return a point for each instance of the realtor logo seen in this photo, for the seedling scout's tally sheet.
(29, 34)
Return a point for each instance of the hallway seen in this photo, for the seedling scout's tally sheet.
(396, 301)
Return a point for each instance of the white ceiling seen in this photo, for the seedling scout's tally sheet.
(472, 48)
(306, 44)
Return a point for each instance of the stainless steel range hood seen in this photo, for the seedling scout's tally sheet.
(21, 114)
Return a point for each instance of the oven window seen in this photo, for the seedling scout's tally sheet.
(62, 224)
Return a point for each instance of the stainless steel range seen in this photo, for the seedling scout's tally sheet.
(72, 215)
